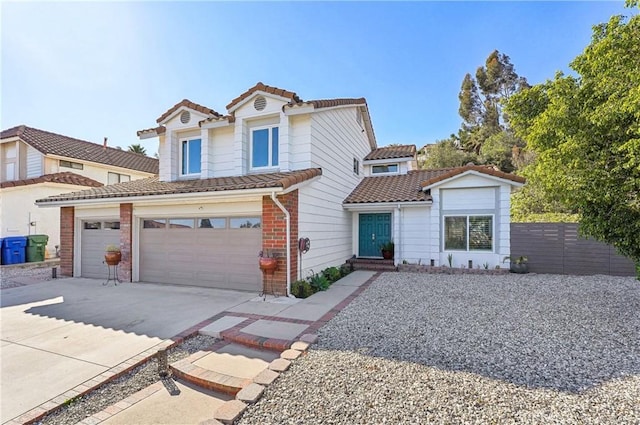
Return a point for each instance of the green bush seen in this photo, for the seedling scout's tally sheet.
(319, 282)
(332, 274)
(345, 269)
(301, 289)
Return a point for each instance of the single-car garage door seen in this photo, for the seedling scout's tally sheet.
(215, 252)
(95, 237)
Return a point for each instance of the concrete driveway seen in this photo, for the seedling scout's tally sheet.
(58, 334)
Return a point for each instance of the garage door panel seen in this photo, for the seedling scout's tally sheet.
(93, 243)
(218, 258)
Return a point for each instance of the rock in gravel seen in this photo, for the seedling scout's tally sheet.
(417, 348)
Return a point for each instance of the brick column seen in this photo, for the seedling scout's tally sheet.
(126, 231)
(67, 230)
(274, 236)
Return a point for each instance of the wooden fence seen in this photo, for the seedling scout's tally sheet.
(557, 248)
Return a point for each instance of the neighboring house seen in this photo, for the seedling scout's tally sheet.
(271, 170)
(35, 164)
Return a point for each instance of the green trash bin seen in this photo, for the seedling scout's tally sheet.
(36, 245)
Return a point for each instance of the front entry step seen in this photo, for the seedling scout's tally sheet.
(227, 370)
(372, 264)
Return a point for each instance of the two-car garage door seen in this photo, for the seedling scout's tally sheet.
(217, 252)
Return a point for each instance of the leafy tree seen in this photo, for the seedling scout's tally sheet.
(585, 131)
(445, 154)
(485, 129)
(137, 148)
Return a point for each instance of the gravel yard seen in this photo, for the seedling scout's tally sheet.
(418, 348)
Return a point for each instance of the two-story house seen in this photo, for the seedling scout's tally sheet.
(271, 170)
(35, 164)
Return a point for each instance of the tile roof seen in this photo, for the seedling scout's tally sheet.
(55, 144)
(66, 177)
(390, 152)
(409, 187)
(452, 172)
(328, 103)
(152, 131)
(189, 104)
(152, 186)
(267, 89)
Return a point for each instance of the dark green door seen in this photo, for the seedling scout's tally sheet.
(373, 230)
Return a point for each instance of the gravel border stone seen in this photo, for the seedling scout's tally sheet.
(417, 348)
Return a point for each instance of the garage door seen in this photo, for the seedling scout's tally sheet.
(215, 252)
(96, 235)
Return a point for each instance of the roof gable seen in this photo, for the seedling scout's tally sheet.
(455, 173)
(185, 103)
(56, 144)
(260, 87)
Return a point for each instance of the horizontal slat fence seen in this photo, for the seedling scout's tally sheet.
(557, 248)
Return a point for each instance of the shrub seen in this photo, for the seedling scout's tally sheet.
(301, 289)
(345, 269)
(332, 274)
(319, 282)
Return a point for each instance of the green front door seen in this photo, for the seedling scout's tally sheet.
(373, 230)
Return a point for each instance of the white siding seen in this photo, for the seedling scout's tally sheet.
(413, 244)
(300, 142)
(465, 199)
(34, 163)
(221, 151)
(335, 140)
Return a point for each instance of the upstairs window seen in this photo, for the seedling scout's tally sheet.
(69, 164)
(264, 147)
(113, 178)
(356, 167)
(385, 169)
(190, 151)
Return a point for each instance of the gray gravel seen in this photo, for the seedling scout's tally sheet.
(417, 348)
(11, 277)
(119, 389)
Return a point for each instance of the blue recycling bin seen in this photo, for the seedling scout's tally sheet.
(1, 262)
(14, 250)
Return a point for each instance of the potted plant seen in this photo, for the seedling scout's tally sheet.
(112, 255)
(268, 262)
(387, 249)
(518, 264)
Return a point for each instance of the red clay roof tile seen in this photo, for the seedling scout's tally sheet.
(189, 104)
(66, 177)
(152, 186)
(478, 168)
(267, 89)
(56, 144)
(390, 152)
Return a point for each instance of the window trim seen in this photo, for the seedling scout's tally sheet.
(468, 216)
(181, 172)
(386, 173)
(270, 165)
(70, 164)
(356, 166)
(120, 176)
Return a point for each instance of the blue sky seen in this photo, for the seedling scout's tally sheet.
(90, 70)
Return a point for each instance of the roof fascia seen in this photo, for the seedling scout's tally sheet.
(386, 161)
(387, 205)
(84, 161)
(475, 173)
(172, 198)
(179, 111)
(254, 94)
(214, 124)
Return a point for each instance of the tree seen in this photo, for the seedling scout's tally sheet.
(482, 102)
(137, 148)
(445, 154)
(585, 131)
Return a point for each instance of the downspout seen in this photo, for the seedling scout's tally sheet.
(399, 237)
(287, 218)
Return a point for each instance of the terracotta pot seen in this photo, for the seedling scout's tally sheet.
(268, 264)
(112, 258)
(387, 255)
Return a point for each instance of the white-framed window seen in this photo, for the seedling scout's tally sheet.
(384, 169)
(264, 147)
(113, 178)
(70, 164)
(190, 156)
(468, 233)
(356, 167)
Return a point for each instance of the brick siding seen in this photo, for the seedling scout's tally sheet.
(126, 227)
(67, 229)
(274, 236)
